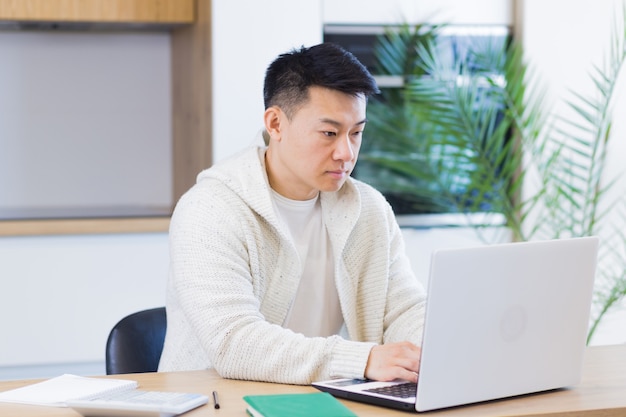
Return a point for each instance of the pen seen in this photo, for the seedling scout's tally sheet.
(215, 400)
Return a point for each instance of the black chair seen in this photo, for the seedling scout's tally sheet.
(135, 343)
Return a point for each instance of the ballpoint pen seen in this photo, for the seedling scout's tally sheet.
(215, 400)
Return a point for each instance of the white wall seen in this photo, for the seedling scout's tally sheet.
(60, 296)
(564, 58)
(563, 40)
(243, 45)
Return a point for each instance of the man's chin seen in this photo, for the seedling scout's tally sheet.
(332, 187)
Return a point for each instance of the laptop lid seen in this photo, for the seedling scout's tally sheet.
(501, 320)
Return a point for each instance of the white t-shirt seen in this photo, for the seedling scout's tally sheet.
(315, 310)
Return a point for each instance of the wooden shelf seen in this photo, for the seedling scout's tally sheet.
(98, 11)
(84, 226)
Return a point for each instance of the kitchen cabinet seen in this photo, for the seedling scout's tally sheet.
(188, 23)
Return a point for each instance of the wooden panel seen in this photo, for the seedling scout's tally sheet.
(191, 99)
(83, 226)
(131, 11)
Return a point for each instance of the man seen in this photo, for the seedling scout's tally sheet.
(283, 268)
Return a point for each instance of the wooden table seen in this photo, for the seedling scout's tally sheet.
(602, 393)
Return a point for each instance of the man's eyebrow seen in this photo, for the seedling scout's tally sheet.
(338, 124)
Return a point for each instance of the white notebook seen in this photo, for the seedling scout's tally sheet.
(55, 392)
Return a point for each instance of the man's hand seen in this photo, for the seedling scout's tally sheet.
(394, 361)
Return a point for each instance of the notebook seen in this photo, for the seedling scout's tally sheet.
(501, 321)
(55, 392)
(103, 397)
(296, 405)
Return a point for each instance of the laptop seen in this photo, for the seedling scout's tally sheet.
(501, 320)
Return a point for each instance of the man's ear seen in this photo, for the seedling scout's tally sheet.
(272, 119)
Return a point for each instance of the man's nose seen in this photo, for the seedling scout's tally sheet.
(344, 150)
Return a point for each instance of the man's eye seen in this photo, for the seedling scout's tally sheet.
(330, 134)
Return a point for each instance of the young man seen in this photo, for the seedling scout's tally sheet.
(283, 268)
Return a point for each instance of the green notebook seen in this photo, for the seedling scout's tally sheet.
(296, 405)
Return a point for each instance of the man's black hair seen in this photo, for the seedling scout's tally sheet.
(327, 65)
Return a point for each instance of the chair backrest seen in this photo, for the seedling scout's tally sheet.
(135, 343)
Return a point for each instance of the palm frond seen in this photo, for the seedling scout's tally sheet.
(475, 135)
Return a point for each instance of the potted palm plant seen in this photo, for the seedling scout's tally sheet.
(473, 134)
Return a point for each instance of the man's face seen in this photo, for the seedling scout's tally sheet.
(317, 149)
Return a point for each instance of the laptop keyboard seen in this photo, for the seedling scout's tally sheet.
(405, 390)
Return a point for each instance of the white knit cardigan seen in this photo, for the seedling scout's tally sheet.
(234, 272)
